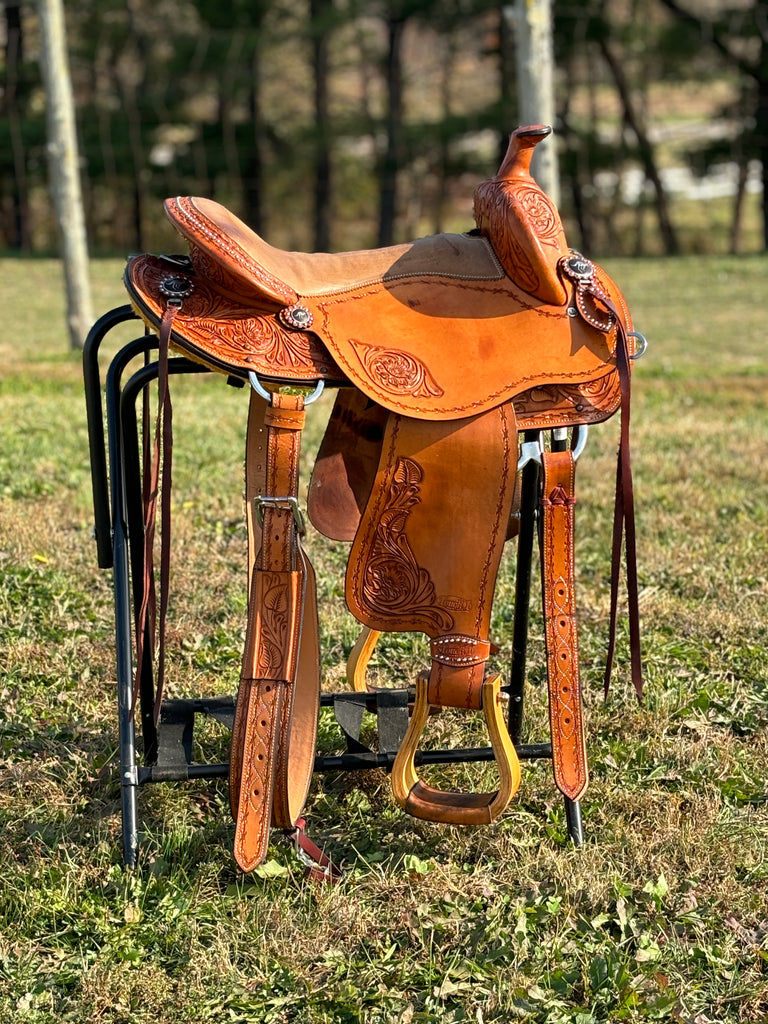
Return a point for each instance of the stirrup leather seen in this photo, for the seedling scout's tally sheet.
(423, 801)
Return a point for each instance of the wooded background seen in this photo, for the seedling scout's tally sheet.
(337, 124)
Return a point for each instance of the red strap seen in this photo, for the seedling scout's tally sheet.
(318, 866)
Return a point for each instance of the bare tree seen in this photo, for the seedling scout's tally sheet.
(535, 83)
(64, 168)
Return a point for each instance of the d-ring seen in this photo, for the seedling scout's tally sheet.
(259, 388)
(531, 451)
(581, 432)
(641, 347)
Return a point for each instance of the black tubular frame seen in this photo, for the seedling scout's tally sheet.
(116, 473)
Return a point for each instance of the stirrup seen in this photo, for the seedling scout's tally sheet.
(360, 655)
(452, 808)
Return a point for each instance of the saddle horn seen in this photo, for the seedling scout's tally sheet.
(521, 222)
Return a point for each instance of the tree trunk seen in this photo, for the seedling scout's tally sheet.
(761, 120)
(319, 11)
(65, 170)
(253, 183)
(647, 155)
(393, 156)
(440, 167)
(507, 76)
(738, 207)
(535, 84)
(20, 233)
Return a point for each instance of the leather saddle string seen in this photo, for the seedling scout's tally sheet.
(624, 521)
(161, 455)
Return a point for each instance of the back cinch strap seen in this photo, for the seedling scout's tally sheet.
(569, 753)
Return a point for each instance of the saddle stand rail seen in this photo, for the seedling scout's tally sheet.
(450, 358)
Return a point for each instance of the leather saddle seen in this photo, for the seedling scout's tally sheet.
(442, 350)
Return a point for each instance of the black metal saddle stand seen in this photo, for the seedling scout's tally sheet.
(116, 470)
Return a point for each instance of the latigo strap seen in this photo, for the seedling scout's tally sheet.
(273, 738)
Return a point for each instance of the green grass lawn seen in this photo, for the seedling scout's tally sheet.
(661, 916)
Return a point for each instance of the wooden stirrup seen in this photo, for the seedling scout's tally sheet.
(359, 656)
(423, 801)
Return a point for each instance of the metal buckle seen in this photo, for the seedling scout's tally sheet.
(532, 451)
(288, 503)
(259, 388)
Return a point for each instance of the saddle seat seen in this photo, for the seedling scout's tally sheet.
(266, 277)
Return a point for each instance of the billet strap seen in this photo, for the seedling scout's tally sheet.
(569, 754)
(273, 737)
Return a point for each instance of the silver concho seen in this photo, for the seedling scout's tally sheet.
(297, 317)
(581, 271)
(177, 286)
(578, 267)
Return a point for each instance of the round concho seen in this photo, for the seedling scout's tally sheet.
(177, 286)
(578, 267)
(297, 317)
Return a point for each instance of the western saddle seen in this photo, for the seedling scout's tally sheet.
(443, 350)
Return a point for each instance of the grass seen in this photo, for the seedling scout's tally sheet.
(661, 916)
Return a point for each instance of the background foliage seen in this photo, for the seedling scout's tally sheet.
(342, 123)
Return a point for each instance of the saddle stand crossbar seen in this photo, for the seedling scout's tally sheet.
(451, 357)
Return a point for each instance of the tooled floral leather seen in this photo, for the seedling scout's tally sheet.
(521, 222)
(399, 372)
(393, 582)
(261, 707)
(215, 328)
(562, 405)
(406, 574)
(568, 742)
(273, 669)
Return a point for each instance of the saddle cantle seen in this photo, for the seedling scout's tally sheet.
(452, 344)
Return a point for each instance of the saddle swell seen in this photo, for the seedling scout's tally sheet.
(444, 348)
